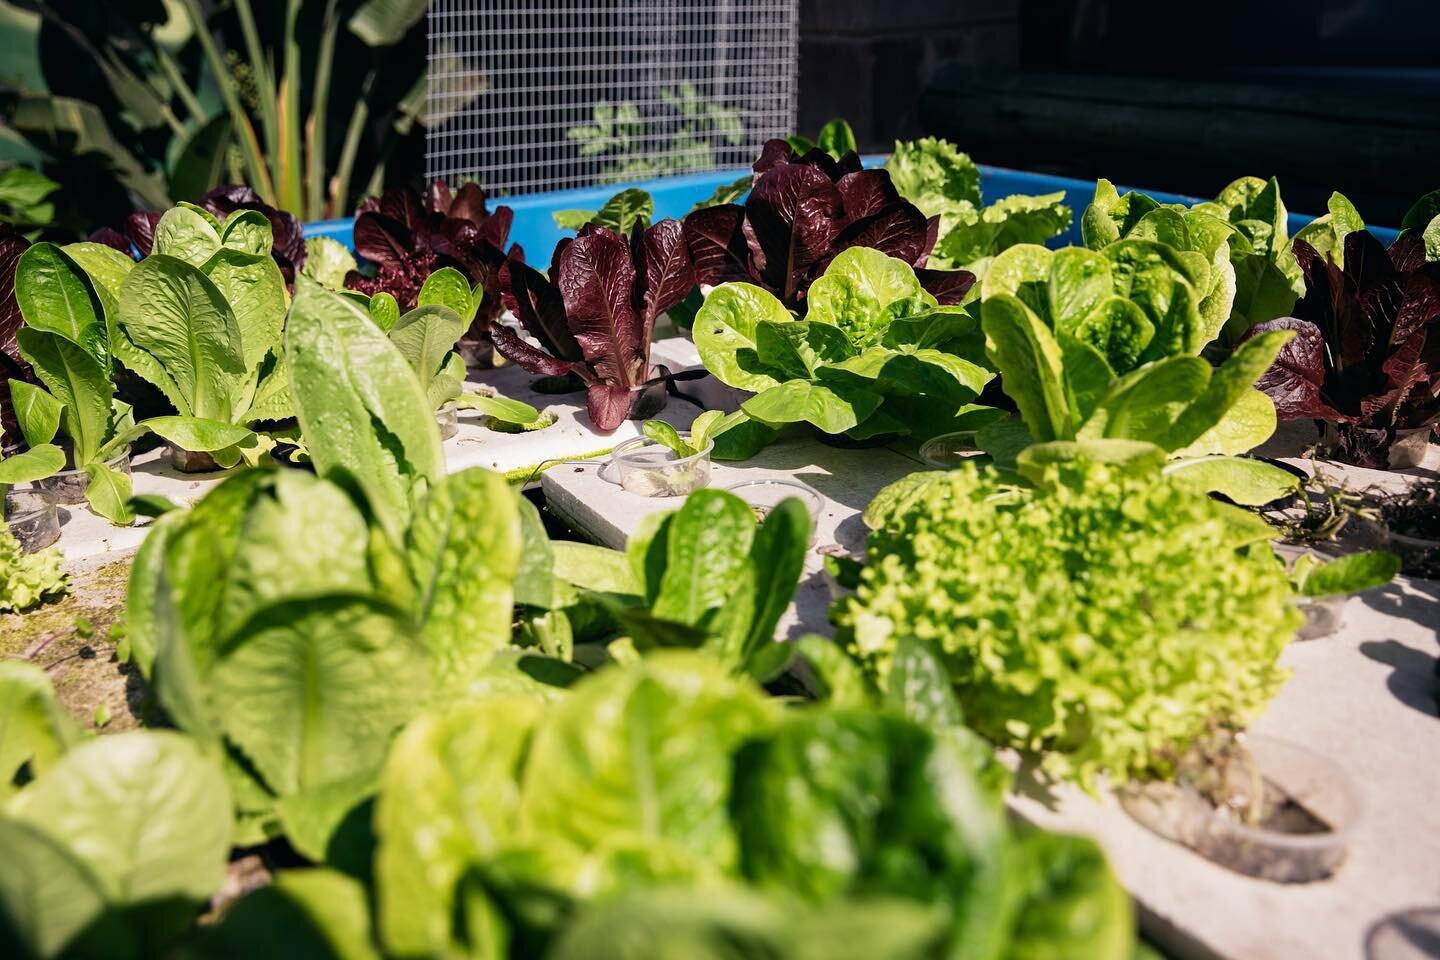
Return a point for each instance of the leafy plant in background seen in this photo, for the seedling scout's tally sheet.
(633, 205)
(1173, 629)
(835, 138)
(133, 112)
(595, 314)
(631, 146)
(24, 200)
(620, 213)
(406, 238)
(1365, 358)
(801, 213)
(875, 354)
(943, 182)
(66, 341)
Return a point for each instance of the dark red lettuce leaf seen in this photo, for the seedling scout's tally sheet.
(866, 192)
(405, 237)
(772, 154)
(664, 274)
(225, 200)
(437, 197)
(402, 205)
(12, 247)
(801, 213)
(383, 240)
(469, 204)
(140, 228)
(897, 230)
(111, 237)
(948, 287)
(596, 317)
(289, 236)
(12, 365)
(792, 217)
(1296, 379)
(514, 348)
(716, 240)
(596, 279)
(537, 304)
(1366, 356)
(401, 280)
(608, 404)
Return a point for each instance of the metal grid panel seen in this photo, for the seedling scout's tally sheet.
(526, 95)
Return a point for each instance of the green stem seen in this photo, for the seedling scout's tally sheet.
(249, 148)
(289, 171)
(171, 69)
(264, 79)
(315, 194)
(340, 185)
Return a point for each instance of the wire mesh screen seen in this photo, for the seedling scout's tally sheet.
(525, 95)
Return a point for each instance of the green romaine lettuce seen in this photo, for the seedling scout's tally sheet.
(943, 182)
(1251, 274)
(286, 576)
(1062, 371)
(875, 353)
(361, 409)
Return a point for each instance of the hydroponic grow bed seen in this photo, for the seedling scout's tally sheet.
(1362, 697)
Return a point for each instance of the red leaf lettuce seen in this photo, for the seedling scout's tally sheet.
(801, 213)
(595, 314)
(407, 237)
(1366, 355)
(12, 364)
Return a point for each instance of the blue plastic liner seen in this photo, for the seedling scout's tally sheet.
(534, 227)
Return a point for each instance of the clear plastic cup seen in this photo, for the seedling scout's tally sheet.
(448, 419)
(1410, 447)
(1303, 840)
(1407, 935)
(190, 461)
(949, 449)
(764, 495)
(69, 486)
(1323, 616)
(32, 519)
(650, 469)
